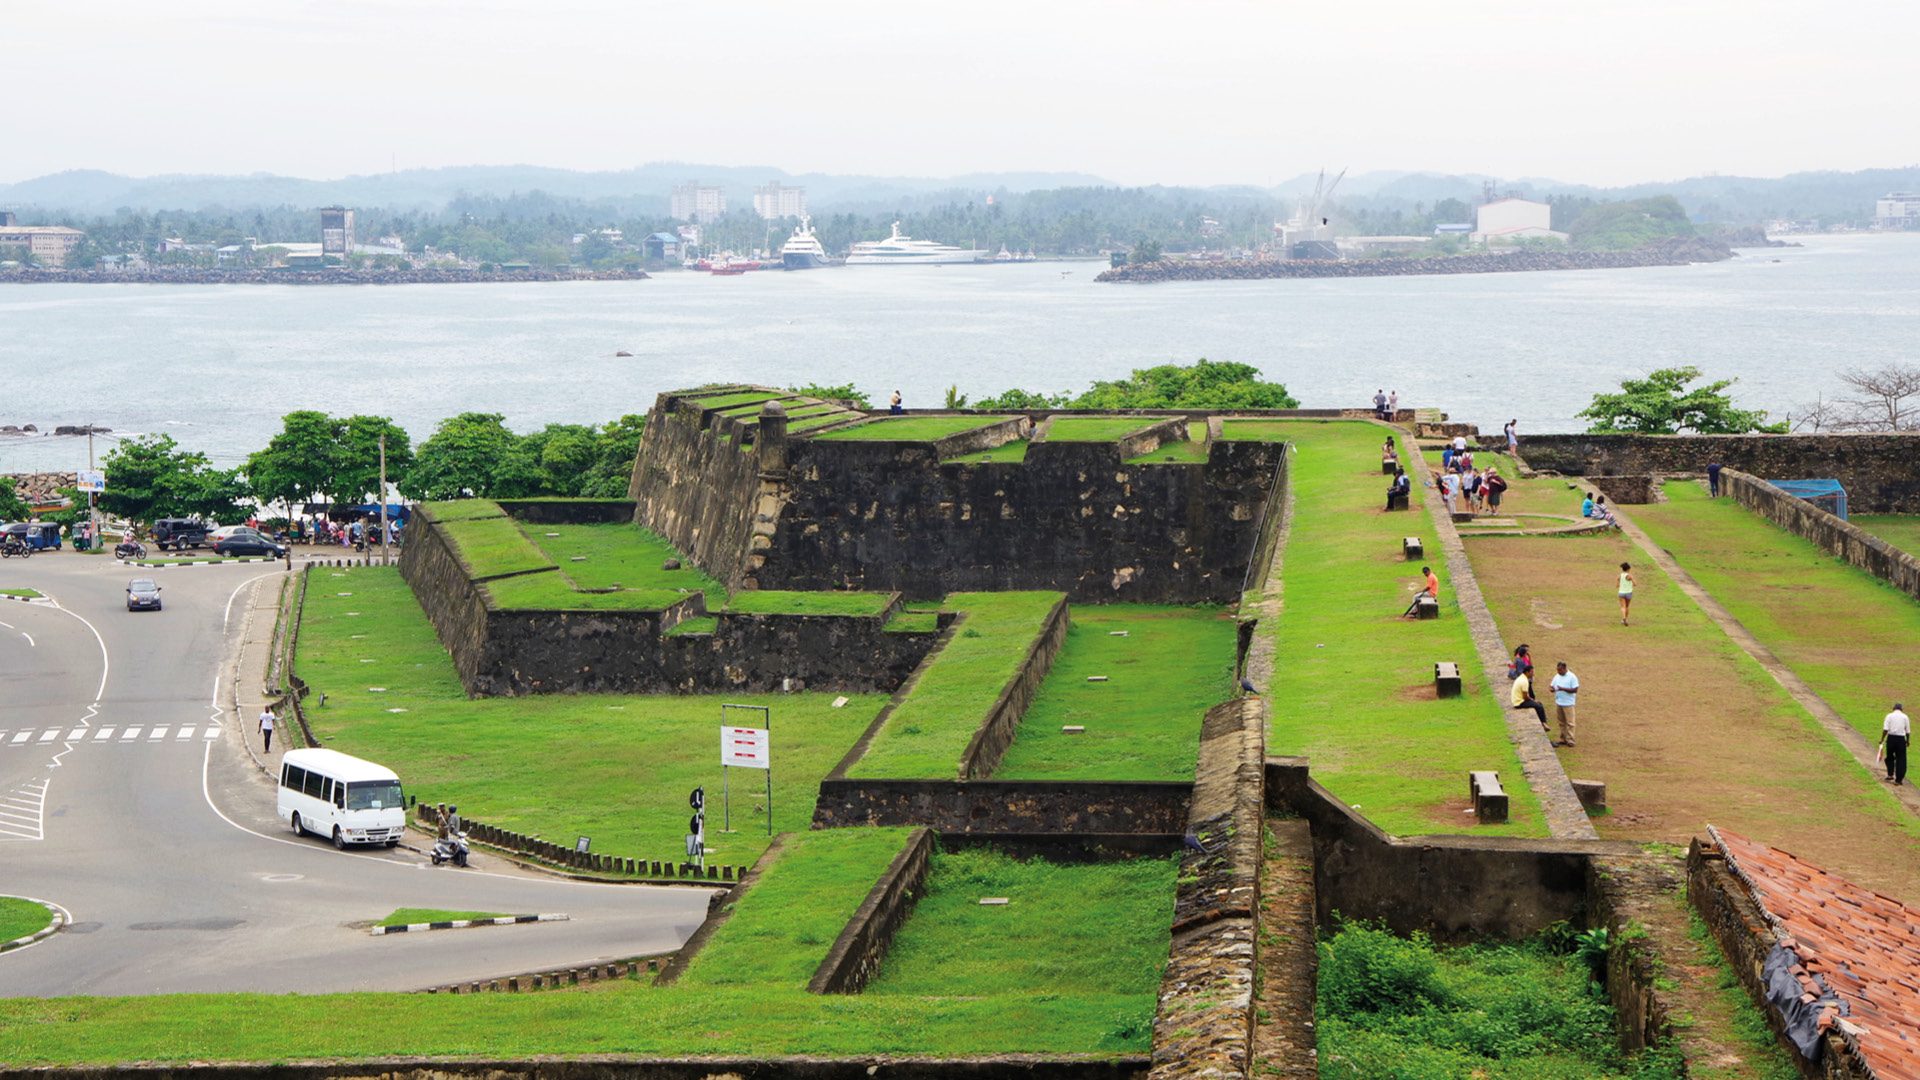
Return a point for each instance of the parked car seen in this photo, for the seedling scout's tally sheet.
(143, 595)
(179, 533)
(36, 535)
(244, 541)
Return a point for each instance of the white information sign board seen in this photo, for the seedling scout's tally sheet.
(92, 481)
(745, 747)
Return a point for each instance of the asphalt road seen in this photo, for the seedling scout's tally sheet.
(162, 842)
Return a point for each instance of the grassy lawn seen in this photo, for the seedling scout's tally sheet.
(463, 509)
(912, 428)
(1015, 452)
(1097, 428)
(809, 423)
(1848, 634)
(913, 622)
(551, 591)
(783, 602)
(737, 397)
(1143, 723)
(1900, 530)
(1354, 691)
(1278, 431)
(614, 767)
(494, 546)
(24, 594)
(407, 916)
(1686, 728)
(1192, 449)
(1112, 938)
(924, 737)
(786, 922)
(18, 918)
(619, 556)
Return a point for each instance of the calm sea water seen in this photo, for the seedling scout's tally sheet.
(217, 366)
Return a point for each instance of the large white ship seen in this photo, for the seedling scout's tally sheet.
(900, 250)
(802, 251)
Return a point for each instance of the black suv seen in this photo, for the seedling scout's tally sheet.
(179, 533)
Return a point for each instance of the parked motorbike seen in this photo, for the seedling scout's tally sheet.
(13, 545)
(452, 846)
(129, 549)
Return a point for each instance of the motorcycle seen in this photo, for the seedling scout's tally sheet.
(12, 546)
(130, 549)
(452, 846)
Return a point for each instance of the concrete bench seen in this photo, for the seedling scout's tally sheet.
(1592, 793)
(1426, 607)
(1446, 679)
(1461, 516)
(1489, 798)
(1389, 466)
(1413, 548)
(1398, 502)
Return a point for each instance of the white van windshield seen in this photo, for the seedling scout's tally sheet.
(373, 795)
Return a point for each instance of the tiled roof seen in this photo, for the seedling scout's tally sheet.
(1862, 946)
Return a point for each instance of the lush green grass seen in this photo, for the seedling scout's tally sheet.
(1900, 530)
(1143, 723)
(619, 555)
(1274, 431)
(1391, 1008)
(1111, 936)
(698, 624)
(1097, 428)
(737, 397)
(614, 767)
(913, 622)
(551, 591)
(782, 602)
(925, 736)
(25, 594)
(494, 546)
(407, 916)
(1848, 634)
(463, 509)
(1015, 452)
(18, 918)
(1354, 685)
(786, 922)
(1766, 1059)
(809, 423)
(912, 428)
(1192, 449)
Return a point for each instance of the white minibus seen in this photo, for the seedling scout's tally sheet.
(351, 801)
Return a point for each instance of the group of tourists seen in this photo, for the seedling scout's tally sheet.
(1386, 405)
(1465, 485)
(356, 534)
(1594, 506)
(1564, 684)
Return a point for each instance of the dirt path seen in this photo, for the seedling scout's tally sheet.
(1683, 726)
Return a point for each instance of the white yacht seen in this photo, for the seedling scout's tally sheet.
(901, 250)
(802, 251)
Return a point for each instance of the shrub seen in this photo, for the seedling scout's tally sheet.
(1365, 968)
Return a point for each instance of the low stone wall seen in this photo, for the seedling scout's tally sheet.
(982, 438)
(443, 584)
(720, 907)
(989, 744)
(1625, 490)
(1204, 1025)
(856, 954)
(1619, 892)
(1456, 888)
(1148, 439)
(1826, 531)
(1881, 472)
(615, 1067)
(1095, 807)
(568, 511)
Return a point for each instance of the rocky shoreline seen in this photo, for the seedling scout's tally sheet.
(42, 487)
(330, 276)
(1681, 252)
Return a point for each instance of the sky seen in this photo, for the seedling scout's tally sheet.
(1195, 92)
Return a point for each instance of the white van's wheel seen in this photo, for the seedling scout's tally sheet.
(297, 829)
(339, 838)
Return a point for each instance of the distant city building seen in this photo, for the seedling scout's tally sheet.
(696, 202)
(1509, 219)
(48, 244)
(336, 231)
(662, 247)
(1897, 210)
(776, 200)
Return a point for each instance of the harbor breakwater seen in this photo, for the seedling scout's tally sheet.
(1666, 253)
(329, 276)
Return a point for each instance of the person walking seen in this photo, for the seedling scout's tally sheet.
(1450, 490)
(1713, 479)
(893, 403)
(1565, 687)
(1626, 591)
(266, 730)
(1430, 588)
(1522, 698)
(1496, 487)
(1896, 731)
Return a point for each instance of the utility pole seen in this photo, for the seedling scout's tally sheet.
(385, 556)
(93, 515)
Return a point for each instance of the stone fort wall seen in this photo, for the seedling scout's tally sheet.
(1881, 472)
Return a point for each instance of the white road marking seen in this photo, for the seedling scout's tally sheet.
(49, 736)
(103, 733)
(77, 733)
(130, 733)
(186, 732)
(24, 817)
(20, 738)
(158, 733)
(29, 638)
(213, 733)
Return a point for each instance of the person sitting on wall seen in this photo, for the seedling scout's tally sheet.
(1586, 506)
(1430, 588)
(1399, 488)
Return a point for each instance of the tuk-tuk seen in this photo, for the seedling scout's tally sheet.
(37, 535)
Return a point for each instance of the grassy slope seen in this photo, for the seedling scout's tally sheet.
(1015, 451)
(1097, 428)
(925, 736)
(18, 918)
(1144, 722)
(911, 428)
(738, 397)
(1900, 530)
(464, 509)
(1111, 938)
(407, 916)
(622, 555)
(1354, 682)
(1192, 449)
(617, 768)
(494, 546)
(1849, 635)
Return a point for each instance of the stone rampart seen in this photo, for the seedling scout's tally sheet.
(696, 486)
(568, 511)
(989, 744)
(1825, 531)
(857, 953)
(444, 585)
(1881, 472)
(1107, 807)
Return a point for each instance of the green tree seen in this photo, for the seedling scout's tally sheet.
(357, 473)
(1663, 404)
(468, 456)
(612, 469)
(300, 463)
(1203, 385)
(12, 506)
(1023, 399)
(151, 477)
(843, 392)
(1145, 251)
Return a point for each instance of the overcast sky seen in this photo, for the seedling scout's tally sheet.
(1193, 92)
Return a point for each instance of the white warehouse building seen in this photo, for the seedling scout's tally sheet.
(1509, 219)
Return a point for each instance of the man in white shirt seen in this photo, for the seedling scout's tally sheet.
(266, 730)
(1565, 686)
(1896, 731)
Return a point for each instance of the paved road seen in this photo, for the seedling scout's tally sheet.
(126, 797)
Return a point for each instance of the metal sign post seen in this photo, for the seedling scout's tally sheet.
(748, 748)
(697, 828)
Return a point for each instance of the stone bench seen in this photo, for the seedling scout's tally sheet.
(1446, 679)
(1592, 793)
(1489, 798)
(1398, 502)
(1389, 466)
(1462, 516)
(1412, 548)
(1426, 607)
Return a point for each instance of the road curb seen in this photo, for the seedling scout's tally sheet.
(461, 924)
(60, 919)
(219, 561)
(43, 598)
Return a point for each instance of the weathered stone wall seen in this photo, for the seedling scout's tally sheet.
(1619, 892)
(443, 584)
(1881, 472)
(1007, 806)
(857, 953)
(1825, 531)
(1456, 888)
(568, 511)
(695, 489)
(989, 744)
(1625, 490)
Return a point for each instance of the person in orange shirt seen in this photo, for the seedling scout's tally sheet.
(1431, 588)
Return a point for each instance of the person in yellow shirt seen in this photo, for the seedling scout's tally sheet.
(1522, 698)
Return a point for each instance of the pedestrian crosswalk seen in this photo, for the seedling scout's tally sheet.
(35, 738)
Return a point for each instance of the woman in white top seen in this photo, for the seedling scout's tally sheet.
(1626, 591)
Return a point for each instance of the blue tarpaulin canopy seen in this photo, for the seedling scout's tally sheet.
(1828, 495)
